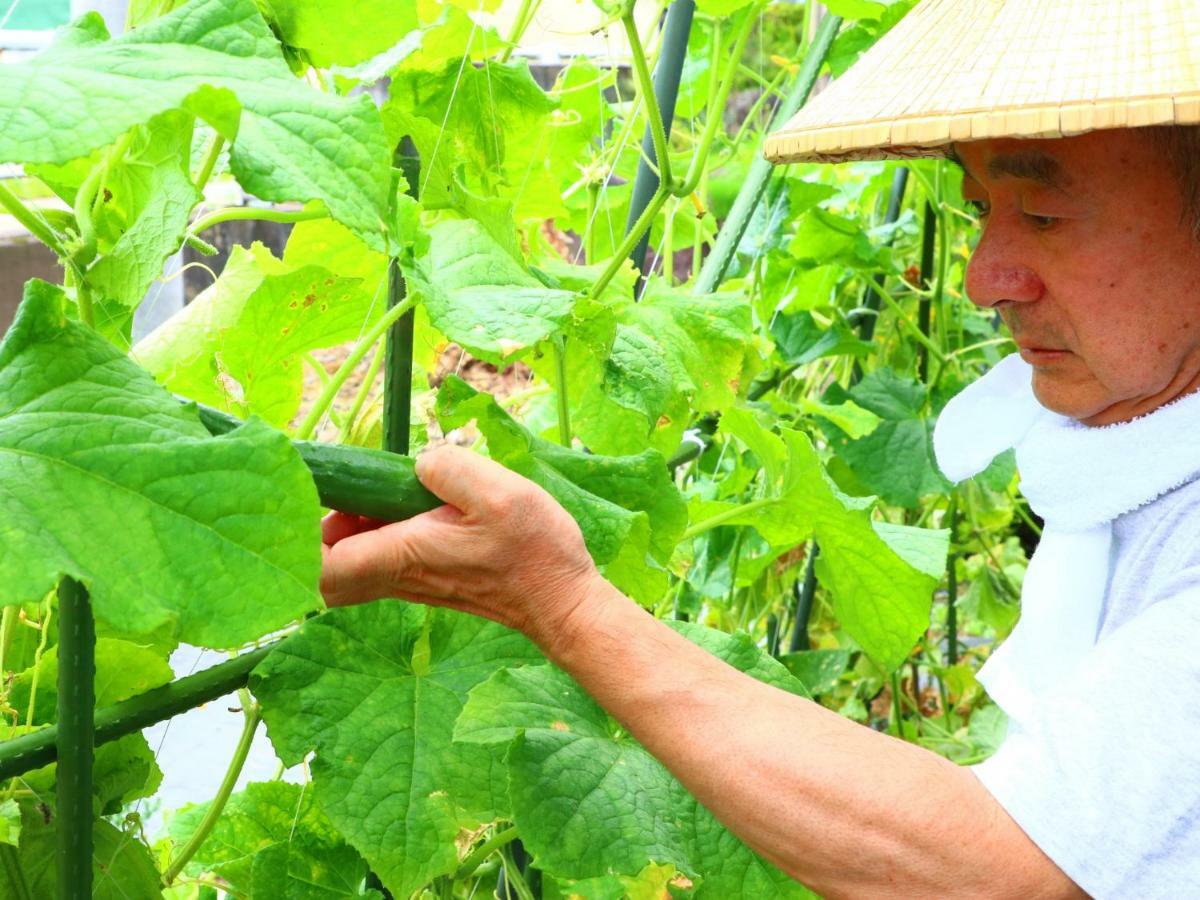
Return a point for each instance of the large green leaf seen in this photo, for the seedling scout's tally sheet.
(629, 510)
(896, 460)
(304, 869)
(239, 344)
(881, 594)
(479, 296)
(273, 841)
(637, 370)
(343, 32)
(218, 60)
(589, 801)
(374, 690)
(151, 195)
(105, 477)
(493, 125)
(122, 868)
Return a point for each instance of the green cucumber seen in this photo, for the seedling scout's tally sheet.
(356, 480)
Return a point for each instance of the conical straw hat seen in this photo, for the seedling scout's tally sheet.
(963, 70)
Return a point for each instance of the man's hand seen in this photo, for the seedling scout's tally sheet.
(502, 548)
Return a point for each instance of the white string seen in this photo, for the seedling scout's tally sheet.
(12, 8)
(450, 104)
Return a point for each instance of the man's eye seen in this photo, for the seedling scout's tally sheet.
(1041, 222)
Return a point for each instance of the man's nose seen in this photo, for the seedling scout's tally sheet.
(996, 273)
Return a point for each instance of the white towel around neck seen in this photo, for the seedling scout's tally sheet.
(1078, 479)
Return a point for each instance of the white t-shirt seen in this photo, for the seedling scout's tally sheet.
(1101, 677)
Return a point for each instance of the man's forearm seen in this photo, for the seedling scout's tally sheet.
(844, 809)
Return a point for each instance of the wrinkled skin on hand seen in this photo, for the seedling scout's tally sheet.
(501, 548)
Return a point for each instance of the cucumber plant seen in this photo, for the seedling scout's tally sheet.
(708, 411)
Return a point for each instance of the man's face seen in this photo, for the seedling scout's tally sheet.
(1086, 259)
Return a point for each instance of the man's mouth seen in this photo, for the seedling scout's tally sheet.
(1037, 355)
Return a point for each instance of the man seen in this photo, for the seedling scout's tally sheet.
(1089, 254)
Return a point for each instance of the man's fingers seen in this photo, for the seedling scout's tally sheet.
(338, 526)
(465, 479)
(376, 562)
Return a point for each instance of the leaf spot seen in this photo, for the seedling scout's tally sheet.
(560, 726)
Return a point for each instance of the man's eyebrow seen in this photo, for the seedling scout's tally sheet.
(1032, 165)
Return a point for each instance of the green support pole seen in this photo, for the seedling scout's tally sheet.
(866, 328)
(32, 751)
(761, 170)
(805, 591)
(76, 748)
(666, 91)
(925, 307)
(397, 366)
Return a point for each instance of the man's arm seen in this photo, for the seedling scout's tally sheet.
(842, 808)
(846, 810)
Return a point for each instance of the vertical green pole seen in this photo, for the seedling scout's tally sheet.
(76, 735)
(952, 590)
(924, 309)
(866, 328)
(397, 368)
(666, 91)
(805, 591)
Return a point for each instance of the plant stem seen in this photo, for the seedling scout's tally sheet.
(714, 117)
(912, 329)
(213, 152)
(726, 516)
(76, 739)
(361, 397)
(514, 878)
(640, 227)
(30, 220)
(73, 281)
(88, 197)
(761, 170)
(520, 23)
(37, 660)
(646, 89)
(325, 400)
(564, 406)
(480, 854)
(7, 620)
(256, 213)
(217, 804)
(653, 171)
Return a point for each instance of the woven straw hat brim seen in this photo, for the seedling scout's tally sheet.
(965, 70)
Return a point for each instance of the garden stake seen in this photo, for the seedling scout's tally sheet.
(76, 710)
(397, 365)
(925, 307)
(866, 327)
(804, 601)
(760, 172)
(952, 593)
(666, 91)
